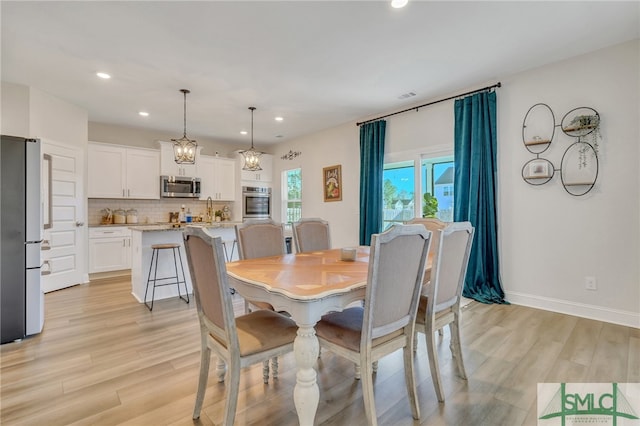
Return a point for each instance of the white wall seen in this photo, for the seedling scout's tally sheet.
(147, 138)
(15, 110)
(549, 240)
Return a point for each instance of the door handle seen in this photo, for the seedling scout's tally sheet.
(79, 224)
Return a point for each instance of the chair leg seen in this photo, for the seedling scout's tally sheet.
(374, 366)
(205, 358)
(233, 387)
(357, 371)
(440, 332)
(409, 378)
(274, 367)
(367, 392)
(456, 347)
(265, 371)
(432, 353)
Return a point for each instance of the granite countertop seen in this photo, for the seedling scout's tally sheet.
(147, 227)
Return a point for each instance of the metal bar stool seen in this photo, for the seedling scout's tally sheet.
(155, 254)
(228, 257)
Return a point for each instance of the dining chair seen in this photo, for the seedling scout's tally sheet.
(239, 342)
(441, 304)
(386, 322)
(260, 238)
(311, 234)
(435, 226)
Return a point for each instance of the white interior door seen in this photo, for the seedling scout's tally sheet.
(65, 260)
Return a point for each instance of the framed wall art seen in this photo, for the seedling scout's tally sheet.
(332, 182)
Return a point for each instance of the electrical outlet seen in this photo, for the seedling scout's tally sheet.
(590, 283)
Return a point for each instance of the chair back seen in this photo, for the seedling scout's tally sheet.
(435, 226)
(311, 234)
(205, 256)
(396, 268)
(260, 238)
(450, 266)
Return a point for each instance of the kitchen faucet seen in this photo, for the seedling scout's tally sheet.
(209, 209)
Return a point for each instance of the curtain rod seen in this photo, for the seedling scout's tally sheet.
(498, 84)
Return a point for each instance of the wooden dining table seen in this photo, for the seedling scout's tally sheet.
(307, 286)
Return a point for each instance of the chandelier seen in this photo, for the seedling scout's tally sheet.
(184, 149)
(251, 156)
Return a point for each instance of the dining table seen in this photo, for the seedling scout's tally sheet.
(306, 286)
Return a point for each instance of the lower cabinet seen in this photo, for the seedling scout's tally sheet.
(109, 249)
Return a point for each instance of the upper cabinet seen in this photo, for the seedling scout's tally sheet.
(218, 178)
(122, 172)
(168, 165)
(264, 175)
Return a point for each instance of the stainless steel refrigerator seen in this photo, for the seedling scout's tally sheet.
(21, 295)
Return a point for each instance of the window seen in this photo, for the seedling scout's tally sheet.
(292, 195)
(419, 187)
(398, 186)
(437, 181)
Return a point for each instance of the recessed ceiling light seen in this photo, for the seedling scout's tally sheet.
(243, 132)
(397, 4)
(103, 75)
(279, 136)
(143, 113)
(279, 118)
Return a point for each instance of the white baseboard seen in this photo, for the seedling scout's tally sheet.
(615, 316)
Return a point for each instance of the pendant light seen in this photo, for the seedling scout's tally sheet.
(184, 149)
(251, 156)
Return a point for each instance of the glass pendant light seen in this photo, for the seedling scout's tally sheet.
(251, 156)
(184, 149)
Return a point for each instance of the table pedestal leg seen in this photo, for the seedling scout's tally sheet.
(306, 394)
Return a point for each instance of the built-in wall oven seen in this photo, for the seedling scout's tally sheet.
(256, 202)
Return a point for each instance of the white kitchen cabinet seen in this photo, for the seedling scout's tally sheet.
(168, 165)
(217, 178)
(264, 175)
(121, 172)
(109, 249)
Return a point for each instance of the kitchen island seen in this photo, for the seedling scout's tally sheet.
(143, 237)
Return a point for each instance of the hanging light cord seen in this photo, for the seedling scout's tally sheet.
(252, 109)
(184, 92)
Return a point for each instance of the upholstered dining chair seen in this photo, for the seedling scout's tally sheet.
(386, 322)
(239, 342)
(260, 238)
(311, 234)
(435, 226)
(441, 305)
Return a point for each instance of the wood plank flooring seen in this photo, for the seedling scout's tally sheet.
(104, 359)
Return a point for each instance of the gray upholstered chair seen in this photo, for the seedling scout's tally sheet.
(239, 342)
(311, 234)
(435, 226)
(441, 305)
(260, 238)
(386, 322)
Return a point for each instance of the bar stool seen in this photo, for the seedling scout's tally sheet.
(228, 257)
(155, 253)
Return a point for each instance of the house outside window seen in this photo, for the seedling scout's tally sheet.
(437, 179)
(398, 186)
(291, 195)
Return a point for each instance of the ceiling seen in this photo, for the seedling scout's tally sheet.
(318, 64)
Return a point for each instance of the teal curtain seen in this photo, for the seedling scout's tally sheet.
(475, 192)
(371, 167)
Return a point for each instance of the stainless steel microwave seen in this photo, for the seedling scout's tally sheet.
(179, 187)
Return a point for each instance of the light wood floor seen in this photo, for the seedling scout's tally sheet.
(104, 359)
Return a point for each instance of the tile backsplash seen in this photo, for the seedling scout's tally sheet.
(151, 211)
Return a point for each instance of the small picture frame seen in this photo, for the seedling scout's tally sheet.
(332, 183)
(538, 169)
